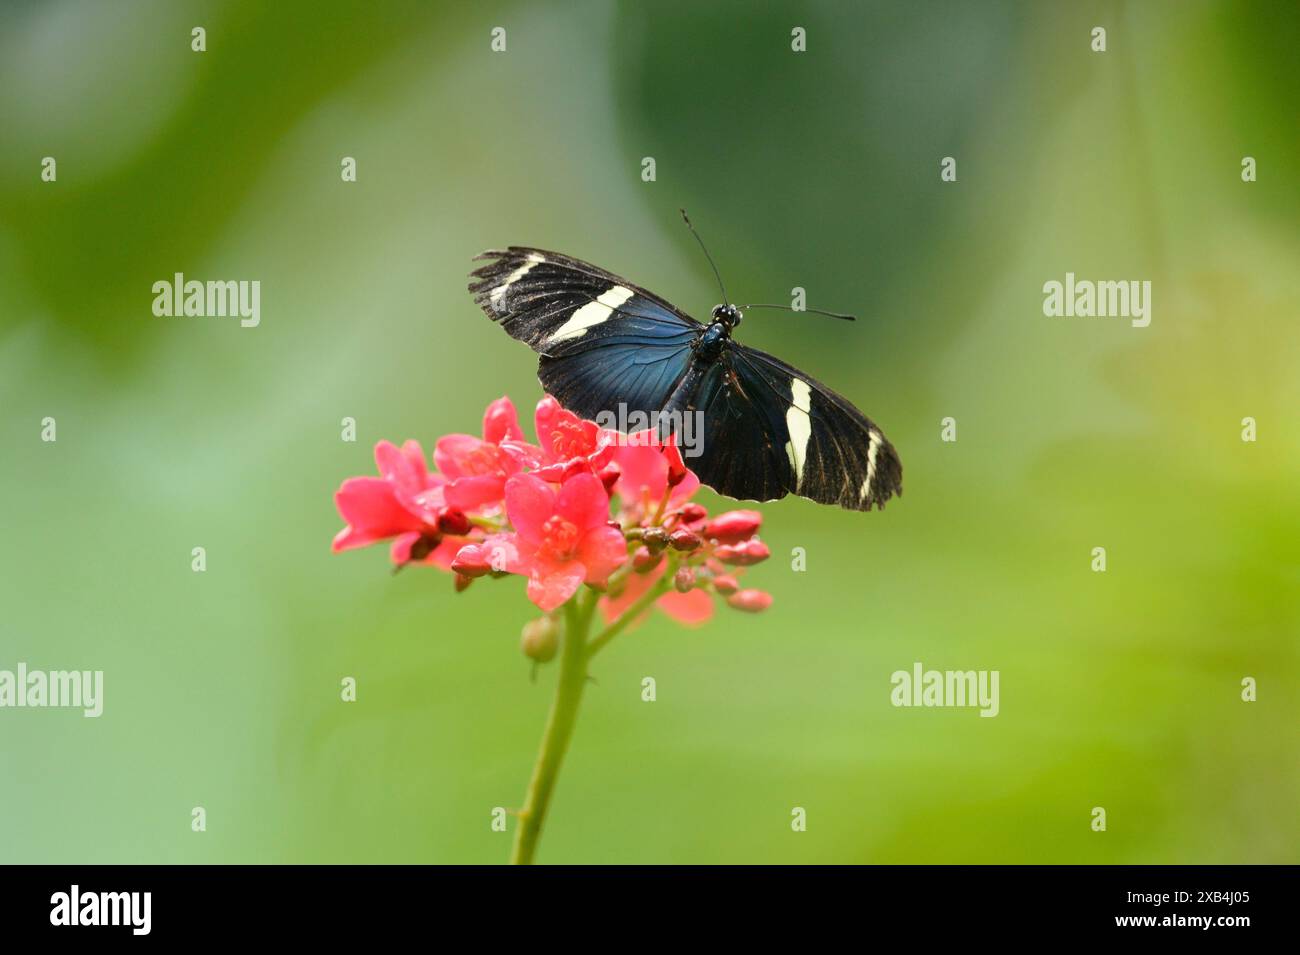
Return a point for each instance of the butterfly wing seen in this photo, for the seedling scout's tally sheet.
(741, 453)
(603, 340)
(771, 430)
(559, 305)
(768, 429)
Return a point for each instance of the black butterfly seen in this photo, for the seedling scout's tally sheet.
(768, 429)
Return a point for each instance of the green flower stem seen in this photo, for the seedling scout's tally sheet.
(559, 725)
(640, 606)
(575, 652)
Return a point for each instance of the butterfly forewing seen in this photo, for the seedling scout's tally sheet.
(603, 341)
(560, 305)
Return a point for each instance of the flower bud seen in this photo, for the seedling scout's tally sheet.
(750, 601)
(743, 554)
(644, 561)
(656, 538)
(684, 539)
(692, 512)
(725, 584)
(540, 639)
(609, 477)
(684, 580)
(471, 561)
(453, 521)
(733, 526)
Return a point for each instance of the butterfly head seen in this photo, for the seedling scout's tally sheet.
(729, 315)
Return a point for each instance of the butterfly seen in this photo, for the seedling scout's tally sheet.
(768, 429)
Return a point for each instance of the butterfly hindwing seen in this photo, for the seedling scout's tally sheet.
(836, 455)
(741, 454)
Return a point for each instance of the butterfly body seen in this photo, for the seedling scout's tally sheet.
(708, 347)
(768, 429)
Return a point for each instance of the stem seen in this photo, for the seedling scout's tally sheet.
(639, 606)
(663, 504)
(559, 726)
(575, 652)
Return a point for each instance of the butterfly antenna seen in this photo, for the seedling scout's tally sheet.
(716, 274)
(791, 308)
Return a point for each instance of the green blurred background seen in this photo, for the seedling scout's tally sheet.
(819, 169)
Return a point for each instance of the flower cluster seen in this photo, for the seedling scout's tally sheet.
(582, 506)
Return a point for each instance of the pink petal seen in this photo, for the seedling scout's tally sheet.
(685, 490)
(544, 417)
(633, 588)
(372, 512)
(414, 453)
(476, 491)
(403, 466)
(501, 421)
(427, 503)
(603, 551)
(556, 585)
(529, 502)
(452, 453)
(523, 453)
(583, 501)
(605, 447)
(644, 472)
(691, 608)
(562, 434)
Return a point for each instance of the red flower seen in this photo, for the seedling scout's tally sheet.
(406, 502)
(562, 539)
(495, 508)
(405, 497)
(566, 445)
(478, 468)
